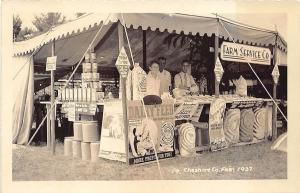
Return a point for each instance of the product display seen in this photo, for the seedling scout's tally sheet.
(187, 139)
(246, 125)
(232, 125)
(259, 123)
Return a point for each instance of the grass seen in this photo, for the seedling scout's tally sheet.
(38, 164)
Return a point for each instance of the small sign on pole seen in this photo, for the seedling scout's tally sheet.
(218, 70)
(122, 63)
(275, 74)
(51, 63)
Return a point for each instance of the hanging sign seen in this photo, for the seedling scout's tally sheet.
(243, 53)
(51, 63)
(186, 110)
(122, 63)
(275, 74)
(155, 130)
(88, 108)
(218, 70)
(215, 124)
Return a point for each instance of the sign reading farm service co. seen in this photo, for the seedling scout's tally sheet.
(243, 53)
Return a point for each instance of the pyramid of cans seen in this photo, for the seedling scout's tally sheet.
(85, 142)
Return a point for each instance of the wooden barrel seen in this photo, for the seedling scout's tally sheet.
(85, 150)
(187, 139)
(95, 146)
(68, 146)
(90, 132)
(77, 127)
(76, 147)
(232, 126)
(259, 123)
(94, 67)
(86, 67)
(246, 125)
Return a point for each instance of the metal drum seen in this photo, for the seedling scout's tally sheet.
(87, 57)
(86, 67)
(94, 67)
(77, 127)
(85, 151)
(76, 147)
(95, 77)
(90, 131)
(95, 146)
(93, 57)
(68, 146)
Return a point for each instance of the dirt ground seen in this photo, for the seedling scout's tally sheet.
(256, 161)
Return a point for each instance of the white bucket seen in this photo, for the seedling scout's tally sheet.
(68, 146)
(76, 147)
(90, 132)
(77, 131)
(86, 150)
(95, 146)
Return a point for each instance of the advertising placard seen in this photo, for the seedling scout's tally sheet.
(112, 142)
(244, 53)
(157, 130)
(216, 119)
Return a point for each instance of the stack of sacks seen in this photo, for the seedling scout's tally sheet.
(232, 126)
(187, 139)
(246, 125)
(259, 123)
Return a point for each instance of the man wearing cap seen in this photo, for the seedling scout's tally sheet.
(165, 76)
(184, 80)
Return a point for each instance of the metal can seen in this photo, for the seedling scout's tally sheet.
(93, 57)
(94, 67)
(86, 76)
(87, 57)
(95, 77)
(86, 67)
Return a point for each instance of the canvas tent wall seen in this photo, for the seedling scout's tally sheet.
(72, 38)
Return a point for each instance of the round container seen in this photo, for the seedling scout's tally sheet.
(86, 67)
(68, 146)
(95, 77)
(246, 125)
(95, 146)
(90, 132)
(85, 150)
(187, 140)
(77, 131)
(87, 76)
(94, 67)
(76, 147)
(93, 57)
(87, 57)
(232, 126)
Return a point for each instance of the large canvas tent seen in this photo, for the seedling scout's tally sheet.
(150, 29)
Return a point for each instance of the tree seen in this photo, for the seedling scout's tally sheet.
(17, 23)
(25, 34)
(44, 22)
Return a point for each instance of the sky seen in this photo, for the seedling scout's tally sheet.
(261, 20)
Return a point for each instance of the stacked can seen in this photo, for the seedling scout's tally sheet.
(90, 78)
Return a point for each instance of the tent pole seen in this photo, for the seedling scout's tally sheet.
(145, 50)
(52, 102)
(274, 109)
(217, 84)
(124, 97)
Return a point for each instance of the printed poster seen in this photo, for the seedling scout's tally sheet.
(112, 143)
(186, 110)
(216, 119)
(157, 130)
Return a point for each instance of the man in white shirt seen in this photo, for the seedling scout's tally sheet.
(153, 79)
(184, 80)
(165, 76)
